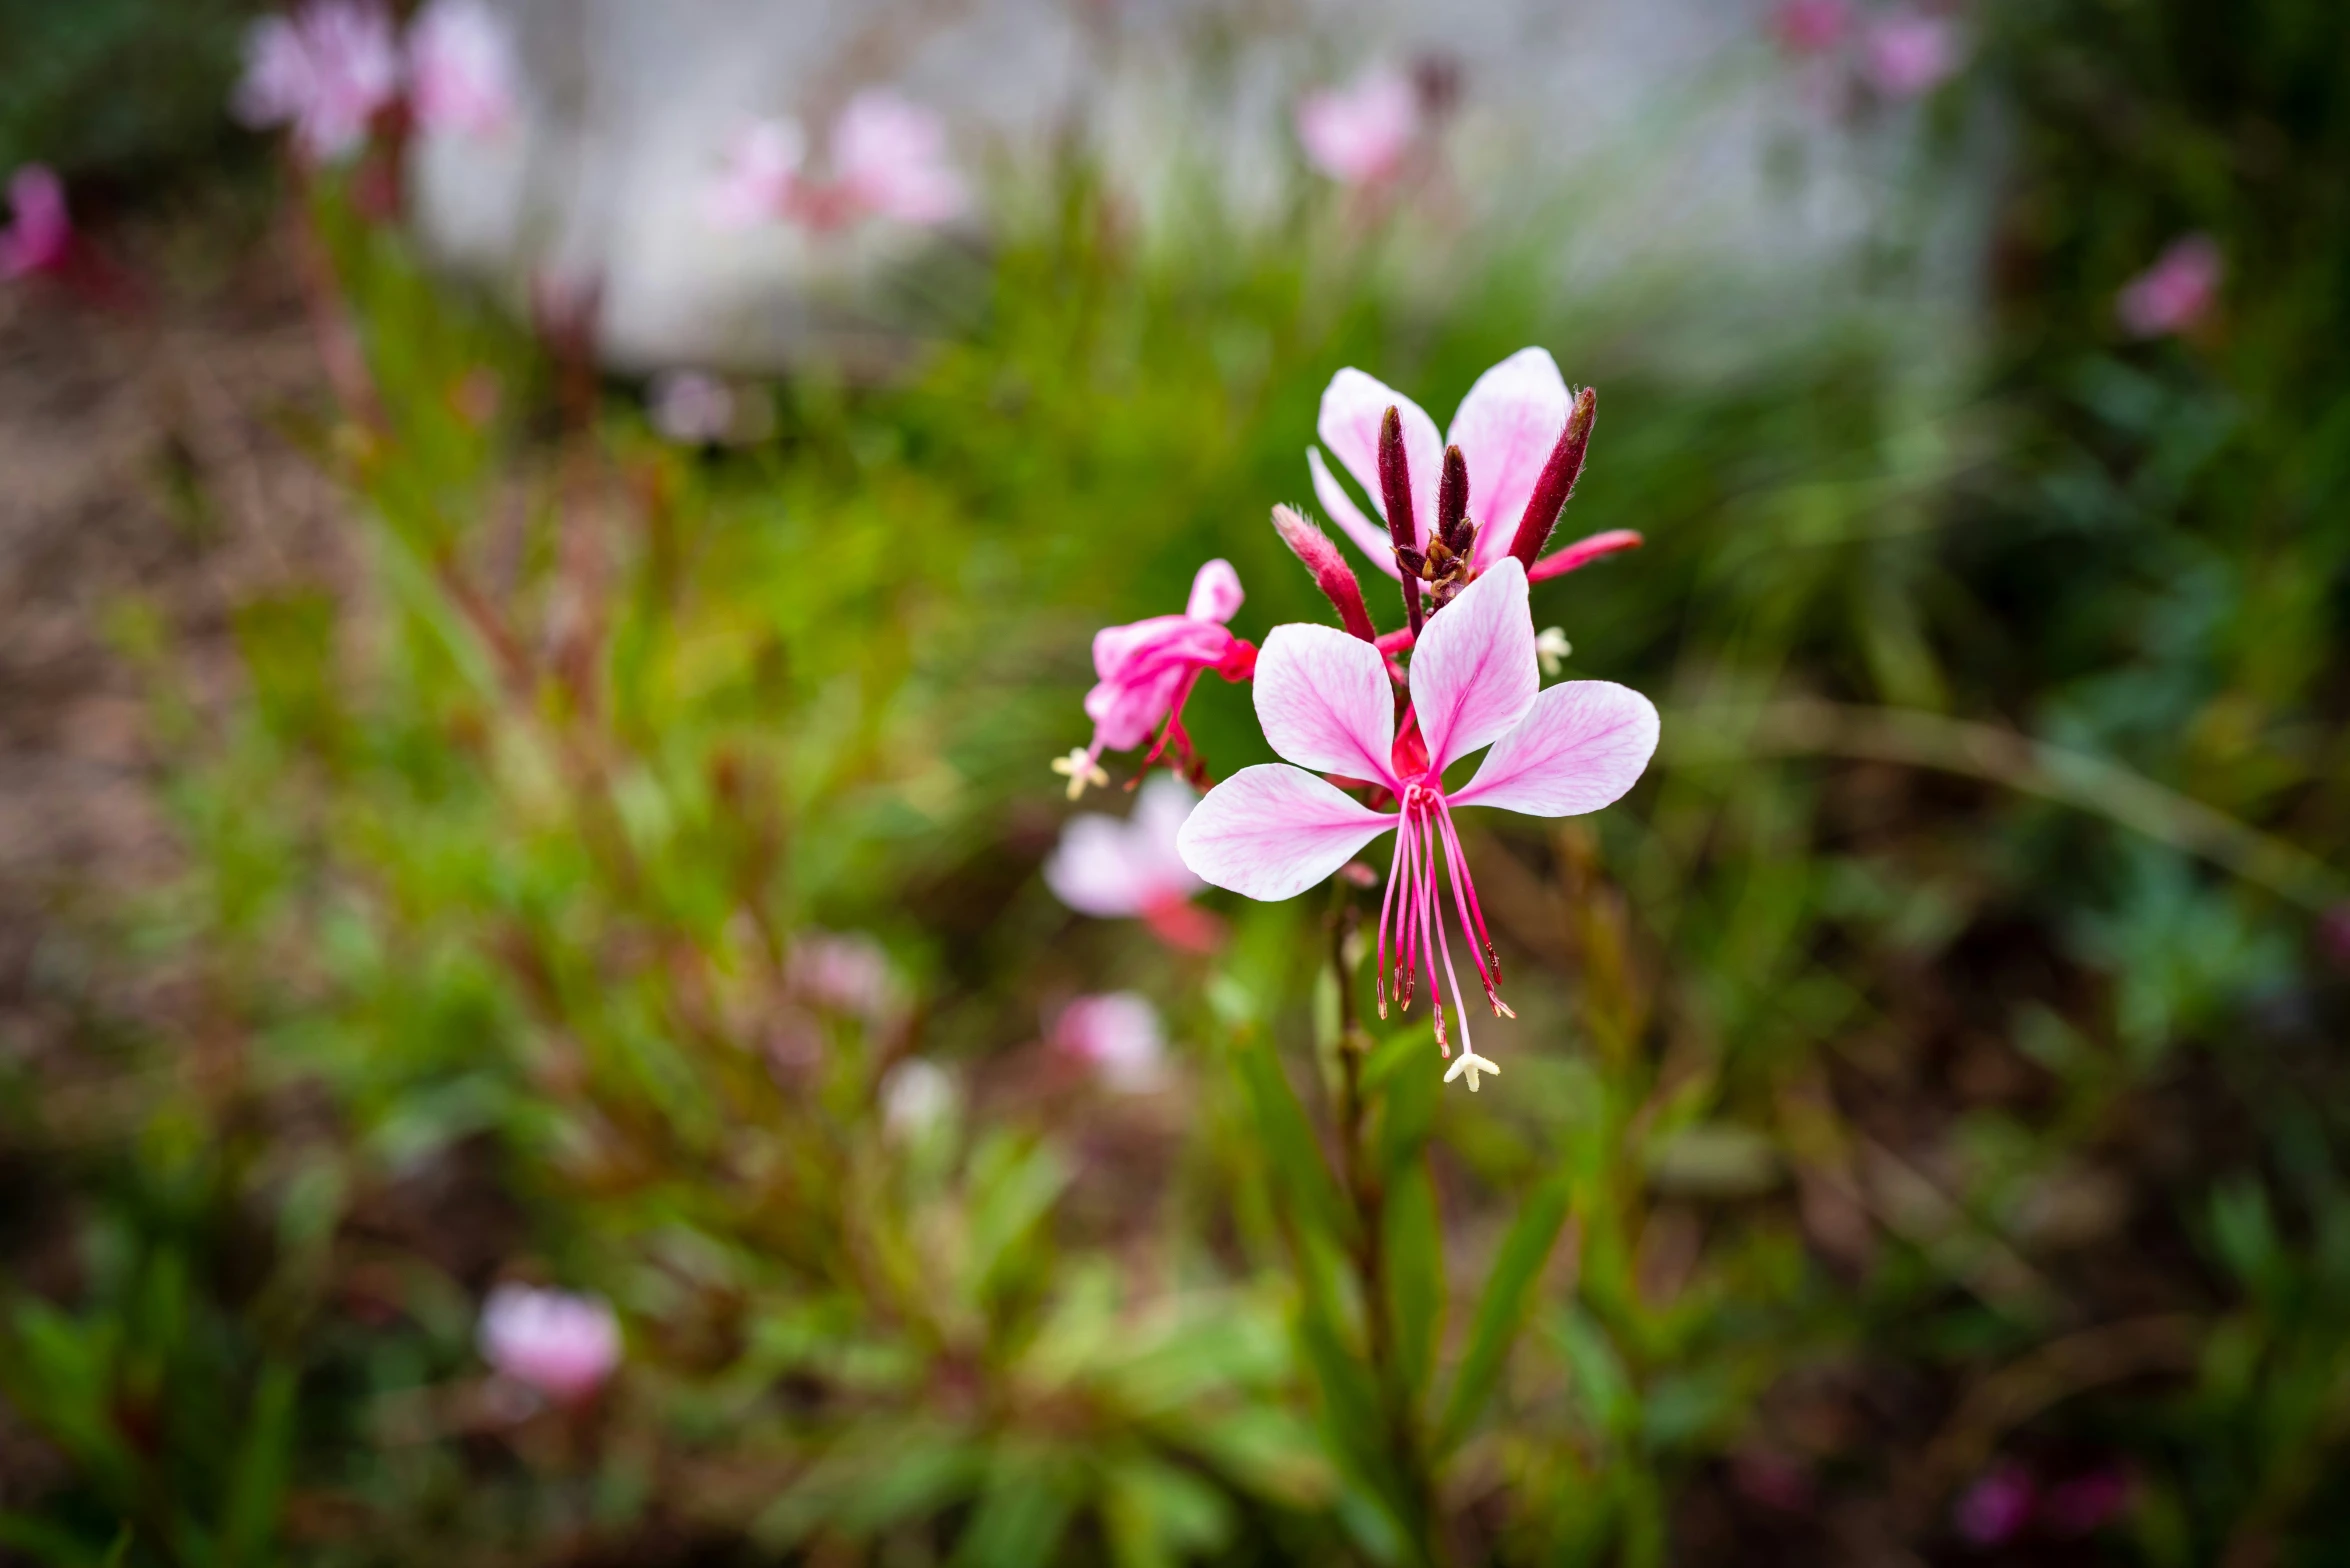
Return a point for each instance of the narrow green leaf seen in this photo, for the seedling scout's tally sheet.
(1022, 1515)
(1306, 1183)
(257, 1476)
(1503, 1307)
(1415, 1276)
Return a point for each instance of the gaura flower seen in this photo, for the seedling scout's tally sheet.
(1908, 53)
(888, 160)
(1996, 1508)
(2177, 292)
(839, 973)
(1811, 27)
(563, 1345)
(461, 69)
(690, 407)
(325, 71)
(1327, 705)
(1131, 869)
(39, 235)
(1512, 430)
(1119, 1037)
(759, 176)
(1358, 134)
(1146, 669)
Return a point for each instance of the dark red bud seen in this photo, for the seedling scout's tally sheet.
(1332, 575)
(1557, 481)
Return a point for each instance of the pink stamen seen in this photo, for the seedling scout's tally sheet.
(1395, 874)
(1473, 918)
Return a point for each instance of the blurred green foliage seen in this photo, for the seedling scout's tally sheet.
(1932, 1064)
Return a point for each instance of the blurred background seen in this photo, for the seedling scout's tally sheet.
(547, 548)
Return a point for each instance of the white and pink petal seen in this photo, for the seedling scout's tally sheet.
(1505, 429)
(1325, 702)
(1271, 831)
(1353, 407)
(1371, 537)
(1474, 670)
(1578, 748)
(1215, 593)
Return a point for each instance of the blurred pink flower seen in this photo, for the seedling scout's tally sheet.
(1119, 1037)
(39, 235)
(1146, 670)
(1130, 869)
(1811, 27)
(563, 1345)
(760, 175)
(1506, 428)
(889, 160)
(461, 69)
(689, 407)
(1996, 1508)
(2087, 1503)
(2175, 293)
(842, 974)
(2333, 934)
(1328, 706)
(1358, 134)
(1907, 53)
(325, 71)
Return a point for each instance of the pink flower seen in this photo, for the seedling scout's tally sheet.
(1119, 1037)
(39, 235)
(1997, 1507)
(1907, 53)
(563, 1345)
(760, 176)
(2088, 1503)
(689, 407)
(2177, 292)
(325, 71)
(461, 69)
(1811, 27)
(1124, 870)
(1146, 670)
(1327, 704)
(1507, 428)
(842, 974)
(1358, 134)
(888, 160)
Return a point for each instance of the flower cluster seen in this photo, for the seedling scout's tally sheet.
(1899, 51)
(329, 70)
(888, 160)
(1370, 724)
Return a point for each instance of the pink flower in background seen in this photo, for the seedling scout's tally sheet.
(889, 160)
(760, 176)
(1119, 1037)
(1996, 1508)
(1506, 429)
(1327, 704)
(1358, 134)
(1811, 27)
(461, 69)
(563, 1345)
(1146, 670)
(842, 974)
(1907, 53)
(1131, 869)
(325, 71)
(2177, 292)
(39, 235)
(689, 407)
(2088, 1503)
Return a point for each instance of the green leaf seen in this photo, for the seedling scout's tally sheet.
(257, 1477)
(1022, 1515)
(52, 1543)
(1158, 1514)
(1306, 1182)
(1503, 1307)
(1415, 1277)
